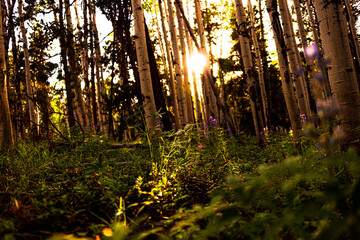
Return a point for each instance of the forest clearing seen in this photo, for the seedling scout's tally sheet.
(179, 119)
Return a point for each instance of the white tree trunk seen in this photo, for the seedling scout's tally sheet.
(259, 64)
(287, 85)
(293, 59)
(334, 36)
(247, 61)
(178, 73)
(29, 88)
(6, 129)
(186, 83)
(143, 64)
(170, 69)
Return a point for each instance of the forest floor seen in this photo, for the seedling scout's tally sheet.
(180, 186)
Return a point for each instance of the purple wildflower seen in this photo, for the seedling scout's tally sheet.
(312, 51)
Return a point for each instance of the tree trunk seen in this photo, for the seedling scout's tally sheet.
(209, 98)
(186, 84)
(98, 65)
(208, 77)
(295, 66)
(156, 85)
(171, 71)
(18, 111)
(259, 64)
(195, 85)
(247, 61)
(83, 38)
(143, 65)
(73, 67)
(287, 84)
(178, 74)
(94, 104)
(321, 63)
(68, 84)
(29, 89)
(334, 35)
(6, 129)
(354, 39)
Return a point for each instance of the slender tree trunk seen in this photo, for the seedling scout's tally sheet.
(6, 129)
(321, 63)
(83, 38)
(208, 77)
(354, 39)
(171, 71)
(259, 64)
(209, 98)
(99, 71)
(156, 85)
(18, 112)
(29, 89)
(287, 84)
(68, 85)
(186, 84)
(247, 61)
(334, 35)
(73, 67)
(195, 84)
(143, 64)
(94, 104)
(293, 61)
(178, 74)
(314, 93)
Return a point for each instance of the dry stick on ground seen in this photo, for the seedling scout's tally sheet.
(207, 73)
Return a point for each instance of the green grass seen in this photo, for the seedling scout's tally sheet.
(180, 186)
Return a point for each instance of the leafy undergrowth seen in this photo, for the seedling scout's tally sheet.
(181, 186)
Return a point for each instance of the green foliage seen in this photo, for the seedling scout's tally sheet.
(193, 184)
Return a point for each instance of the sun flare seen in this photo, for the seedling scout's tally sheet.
(197, 62)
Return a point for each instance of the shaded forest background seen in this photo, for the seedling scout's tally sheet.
(99, 85)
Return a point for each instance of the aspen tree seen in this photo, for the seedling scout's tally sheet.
(314, 94)
(83, 36)
(259, 64)
(6, 128)
(208, 76)
(186, 83)
(321, 65)
(64, 61)
(18, 109)
(94, 104)
(342, 77)
(171, 69)
(98, 65)
(143, 64)
(287, 85)
(73, 66)
(353, 37)
(178, 74)
(247, 61)
(29, 88)
(293, 61)
(209, 98)
(195, 84)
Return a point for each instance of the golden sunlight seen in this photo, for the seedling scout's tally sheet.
(197, 62)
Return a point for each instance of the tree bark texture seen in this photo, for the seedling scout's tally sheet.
(144, 65)
(287, 84)
(29, 88)
(170, 69)
(178, 73)
(334, 36)
(247, 61)
(6, 128)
